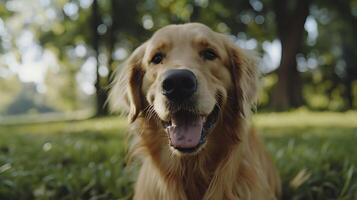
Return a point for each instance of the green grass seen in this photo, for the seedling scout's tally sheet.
(315, 154)
(71, 160)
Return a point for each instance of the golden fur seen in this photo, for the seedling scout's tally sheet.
(233, 163)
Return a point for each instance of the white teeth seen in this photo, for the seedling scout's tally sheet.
(203, 118)
(173, 123)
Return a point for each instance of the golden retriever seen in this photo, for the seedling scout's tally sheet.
(188, 92)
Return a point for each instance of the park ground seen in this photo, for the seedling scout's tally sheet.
(316, 154)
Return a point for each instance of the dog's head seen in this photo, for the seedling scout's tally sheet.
(184, 77)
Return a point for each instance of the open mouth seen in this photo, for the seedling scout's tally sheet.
(187, 131)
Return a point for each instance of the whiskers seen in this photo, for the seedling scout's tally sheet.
(219, 104)
(150, 113)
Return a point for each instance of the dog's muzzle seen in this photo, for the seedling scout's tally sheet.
(186, 128)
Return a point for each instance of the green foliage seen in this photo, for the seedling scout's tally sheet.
(327, 85)
(4, 13)
(9, 90)
(315, 154)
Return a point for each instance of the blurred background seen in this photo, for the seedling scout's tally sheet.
(57, 57)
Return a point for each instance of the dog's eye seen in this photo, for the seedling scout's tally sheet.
(157, 58)
(209, 54)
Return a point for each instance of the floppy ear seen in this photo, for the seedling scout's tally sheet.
(245, 76)
(125, 94)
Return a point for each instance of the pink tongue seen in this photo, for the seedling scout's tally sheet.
(185, 135)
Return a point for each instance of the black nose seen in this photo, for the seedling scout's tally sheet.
(179, 84)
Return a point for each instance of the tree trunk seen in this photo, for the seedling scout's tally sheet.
(112, 39)
(348, 50)
(290, 17)
(101, 92)
(350, 73)
(196, 11)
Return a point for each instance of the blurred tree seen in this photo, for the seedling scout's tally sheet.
(100, 34)
(10, 86)
(99, 27)
(101, 93)
(122, 22)
(63, 35)
(290, 19)
(196, 12)
(346, 30)
(9, 89)
(333, 83)
(4, 14)
(25, 103)
(349, 49)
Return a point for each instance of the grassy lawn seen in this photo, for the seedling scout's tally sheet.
(316, 154)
